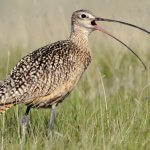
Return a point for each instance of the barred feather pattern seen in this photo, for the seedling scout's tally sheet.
(45, 76)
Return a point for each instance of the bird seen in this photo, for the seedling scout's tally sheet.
(45, 77)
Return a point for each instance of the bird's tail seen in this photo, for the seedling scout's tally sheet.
(5, 107)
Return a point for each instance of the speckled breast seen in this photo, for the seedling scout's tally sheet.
(64, 88)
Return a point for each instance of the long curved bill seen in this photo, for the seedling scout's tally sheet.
(122, 22)
(97, 27)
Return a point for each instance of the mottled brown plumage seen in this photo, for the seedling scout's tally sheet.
(47, 75)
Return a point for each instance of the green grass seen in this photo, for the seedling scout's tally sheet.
(108, 110)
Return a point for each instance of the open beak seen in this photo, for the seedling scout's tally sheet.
(97, 27)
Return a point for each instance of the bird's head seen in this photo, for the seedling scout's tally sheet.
(84, 21)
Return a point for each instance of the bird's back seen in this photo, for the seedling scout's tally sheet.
(46, 75)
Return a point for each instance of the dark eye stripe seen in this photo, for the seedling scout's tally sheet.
(83, 16)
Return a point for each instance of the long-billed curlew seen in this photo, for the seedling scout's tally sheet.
(43, 78)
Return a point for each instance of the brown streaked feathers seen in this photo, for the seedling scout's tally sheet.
(45, 76)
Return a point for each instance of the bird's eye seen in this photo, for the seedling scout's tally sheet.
(83, 16)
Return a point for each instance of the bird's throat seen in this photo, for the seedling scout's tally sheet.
(79, 36)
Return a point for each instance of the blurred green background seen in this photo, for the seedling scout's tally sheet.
(33, 23)
(110, 108)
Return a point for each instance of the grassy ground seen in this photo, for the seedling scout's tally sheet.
(109, 109)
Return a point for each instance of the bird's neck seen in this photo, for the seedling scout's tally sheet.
(79, 36)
